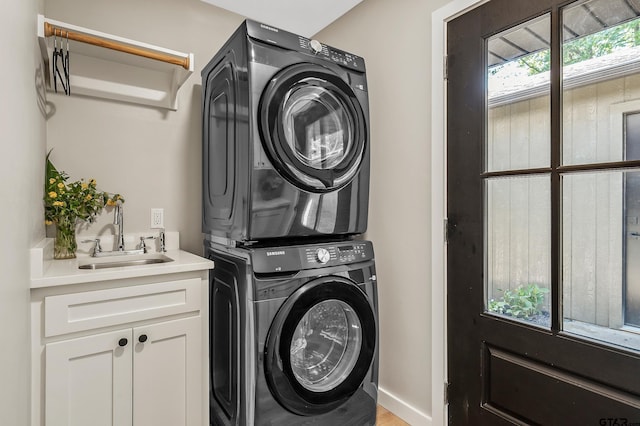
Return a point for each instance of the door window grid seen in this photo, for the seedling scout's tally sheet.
(500, 160)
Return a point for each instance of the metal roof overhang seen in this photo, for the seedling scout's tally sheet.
(578, 21)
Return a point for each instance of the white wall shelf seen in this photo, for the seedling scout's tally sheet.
(111, 67)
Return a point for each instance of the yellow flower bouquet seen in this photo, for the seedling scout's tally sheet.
(67, 203)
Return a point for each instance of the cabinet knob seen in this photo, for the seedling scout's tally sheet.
(123, 342)
(142, 338)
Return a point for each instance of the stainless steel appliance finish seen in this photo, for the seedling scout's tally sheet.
(293, 334)
(285, 138)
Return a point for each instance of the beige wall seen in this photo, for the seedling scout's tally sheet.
(395, 40)
(22, 148)
(151, 156)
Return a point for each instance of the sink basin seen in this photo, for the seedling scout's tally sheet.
(128, 261)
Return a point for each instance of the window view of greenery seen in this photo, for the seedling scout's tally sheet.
(592, 46)
(525, 301)
(580, 49)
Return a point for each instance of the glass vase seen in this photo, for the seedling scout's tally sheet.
(65, 244)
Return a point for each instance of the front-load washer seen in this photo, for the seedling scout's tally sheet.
(293, 334)
(285, 138)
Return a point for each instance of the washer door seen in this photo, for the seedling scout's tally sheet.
(312, 127)
(320, 346)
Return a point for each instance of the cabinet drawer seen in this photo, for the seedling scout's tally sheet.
(68, 313)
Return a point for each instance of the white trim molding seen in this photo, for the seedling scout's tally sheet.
(401, 409)
(439, 20)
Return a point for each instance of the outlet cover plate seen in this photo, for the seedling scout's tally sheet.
(157, 218)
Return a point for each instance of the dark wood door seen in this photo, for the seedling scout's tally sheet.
(536, 215)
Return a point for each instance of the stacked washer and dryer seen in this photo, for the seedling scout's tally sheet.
(293, 329)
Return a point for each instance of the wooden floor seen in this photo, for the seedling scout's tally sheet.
(387, 418)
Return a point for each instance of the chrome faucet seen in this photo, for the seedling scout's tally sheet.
(97, 249)
(118, 219)
(142, 246)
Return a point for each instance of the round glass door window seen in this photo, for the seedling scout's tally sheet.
(317, 126)
(320, 346)
(312, 127)
(325, 345)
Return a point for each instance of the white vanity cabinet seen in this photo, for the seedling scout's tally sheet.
(115, 379)
(120, 352)
(88, 380)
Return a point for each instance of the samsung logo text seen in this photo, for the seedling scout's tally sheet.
(266, 27)
(276, 253)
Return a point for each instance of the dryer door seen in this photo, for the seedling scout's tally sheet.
(320, 346)
(313, 127)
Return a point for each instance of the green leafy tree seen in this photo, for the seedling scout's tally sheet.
(587, 47)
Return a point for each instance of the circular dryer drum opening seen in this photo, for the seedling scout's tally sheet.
(320, 346)
(312, 127)
(325, 345)
(316, 124)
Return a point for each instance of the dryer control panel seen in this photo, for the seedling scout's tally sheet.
(282, 38)
(312, 256)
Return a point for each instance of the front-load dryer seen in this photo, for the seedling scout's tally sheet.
(285, 138)
(293, 335)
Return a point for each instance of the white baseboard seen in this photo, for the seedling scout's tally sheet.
(403, 410)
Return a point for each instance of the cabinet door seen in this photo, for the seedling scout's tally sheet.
(88, 380)
(167, 374)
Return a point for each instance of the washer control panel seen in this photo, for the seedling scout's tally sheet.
(323, 255)
(337, 254)
(299, 257)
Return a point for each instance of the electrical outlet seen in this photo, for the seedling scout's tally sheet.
(157, 218)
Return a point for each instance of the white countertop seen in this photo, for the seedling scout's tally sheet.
(49, 272)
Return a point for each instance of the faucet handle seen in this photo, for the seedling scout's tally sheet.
(163, 241)
(142, 244)
(96, 248)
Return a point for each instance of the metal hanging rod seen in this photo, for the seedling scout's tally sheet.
(51, 30)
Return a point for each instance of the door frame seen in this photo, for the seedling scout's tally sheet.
(439, 21)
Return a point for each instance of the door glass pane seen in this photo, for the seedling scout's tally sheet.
(325, 345)
(601, 68)
(518, 122)
(317, 125)
(632, 234)
(517, 247)
(600, 248)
